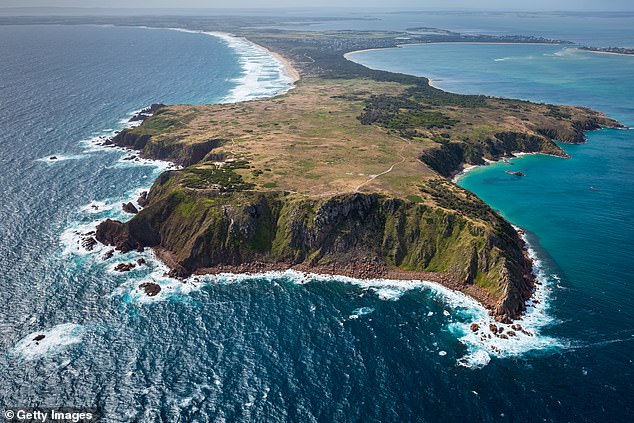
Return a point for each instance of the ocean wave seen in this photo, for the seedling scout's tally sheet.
(263, 74)
(461, 310)
(48, 342)
(57, 158)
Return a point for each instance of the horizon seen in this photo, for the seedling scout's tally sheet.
(537, 6)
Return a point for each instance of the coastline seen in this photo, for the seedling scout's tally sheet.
(405, 45)
(360, 271)
(613, 53)
(288, 66)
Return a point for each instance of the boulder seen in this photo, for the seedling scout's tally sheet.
(89, 243)
(151, 289)
(142, 201)
(129, 208)
(124, 267)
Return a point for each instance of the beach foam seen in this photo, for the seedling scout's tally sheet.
(263, 74)
(55, 340)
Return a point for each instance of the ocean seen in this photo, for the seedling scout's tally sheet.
(288, 346)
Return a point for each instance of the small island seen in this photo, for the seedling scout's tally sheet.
(349, 173)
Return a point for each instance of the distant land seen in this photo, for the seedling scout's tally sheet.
(609, 50)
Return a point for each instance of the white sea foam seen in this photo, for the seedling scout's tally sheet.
(131, 290)
(361, 311)
(263, 74)
(55, 340)
(461, 311)
(534, 319)
(56, 158)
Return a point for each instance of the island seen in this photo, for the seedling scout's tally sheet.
(349, 173)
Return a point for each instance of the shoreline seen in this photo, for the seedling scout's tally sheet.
(288, 70)
(405, 45)
(613, 53)
(362, 272)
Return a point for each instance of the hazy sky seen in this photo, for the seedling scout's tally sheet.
(604, 5)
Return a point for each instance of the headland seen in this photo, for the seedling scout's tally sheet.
(348, 173)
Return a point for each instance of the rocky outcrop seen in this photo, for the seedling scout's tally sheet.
(142, 200)
(449, 157)
(129, 208)
(183, 154)
(151, 289)
(117, 234)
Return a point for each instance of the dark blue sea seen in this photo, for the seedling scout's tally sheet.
(287, 346)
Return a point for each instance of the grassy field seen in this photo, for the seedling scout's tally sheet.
(334, 136)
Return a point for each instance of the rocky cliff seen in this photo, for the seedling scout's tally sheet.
(365, 235)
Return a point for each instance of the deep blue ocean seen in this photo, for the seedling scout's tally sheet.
(287, 347)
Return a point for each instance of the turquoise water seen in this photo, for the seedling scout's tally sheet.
(579, 212)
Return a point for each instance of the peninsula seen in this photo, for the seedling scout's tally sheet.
(348, 173)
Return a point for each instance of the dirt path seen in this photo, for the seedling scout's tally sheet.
(373, 177)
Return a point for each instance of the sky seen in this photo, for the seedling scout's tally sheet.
(567, 5)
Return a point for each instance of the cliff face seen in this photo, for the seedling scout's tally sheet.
(179, 153)
(358, 234)
(449, 157)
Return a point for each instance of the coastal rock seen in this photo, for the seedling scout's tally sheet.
(474, 327)
(89, 243)
(124, 267)
(129, 208)
(180, 272)
(142, 201)
(108, 255)
(114, 233)
(140, 261)
(493, 328)
(151, 289)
